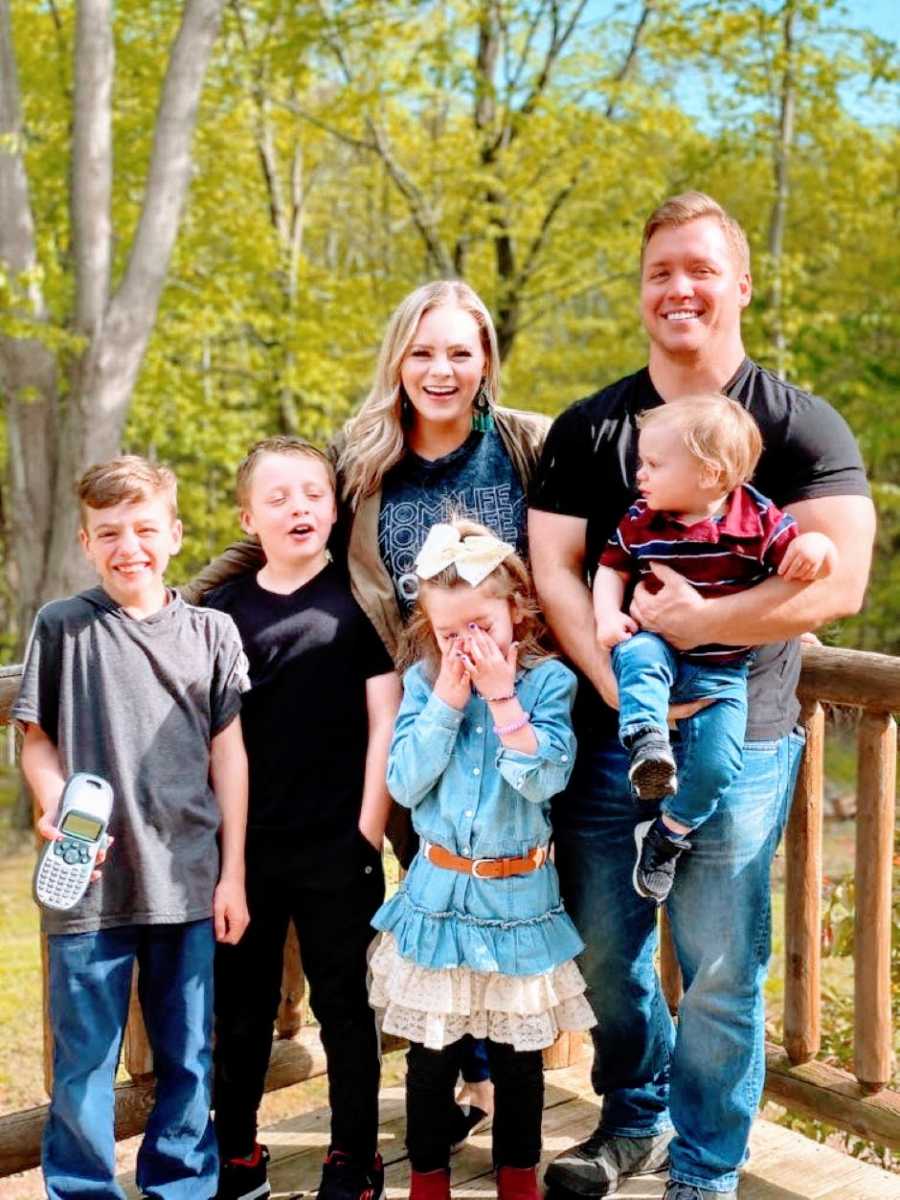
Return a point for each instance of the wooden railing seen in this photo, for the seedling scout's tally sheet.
(860, 1102)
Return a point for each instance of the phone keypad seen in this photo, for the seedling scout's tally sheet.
(64, 873)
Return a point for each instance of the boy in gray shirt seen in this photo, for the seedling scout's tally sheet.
(130, 683)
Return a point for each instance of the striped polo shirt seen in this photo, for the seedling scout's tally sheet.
(719, 555)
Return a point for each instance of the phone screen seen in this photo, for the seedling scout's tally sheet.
(81, 825)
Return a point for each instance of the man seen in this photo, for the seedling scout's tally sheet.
(707, 1079)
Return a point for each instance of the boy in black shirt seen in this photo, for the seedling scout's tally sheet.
(318, 720)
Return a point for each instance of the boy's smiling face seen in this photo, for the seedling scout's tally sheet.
(291, 508)
(129, 545)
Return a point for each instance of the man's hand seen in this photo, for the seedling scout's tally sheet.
(230, 915)
(613, 627)
(809, 556)
(675, 612)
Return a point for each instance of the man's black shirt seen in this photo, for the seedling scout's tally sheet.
(588, 468)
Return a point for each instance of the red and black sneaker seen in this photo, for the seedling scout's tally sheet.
(245, 1178)
(344, 1179)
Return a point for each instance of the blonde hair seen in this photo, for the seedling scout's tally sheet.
(509, 580)
(716, 430)
(126, 478)
(375, 439)
(691, 206)
(280, 444)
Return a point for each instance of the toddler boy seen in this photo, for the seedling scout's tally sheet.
(317, 721)
(699, 516)
(128, 682)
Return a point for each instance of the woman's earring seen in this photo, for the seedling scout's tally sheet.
(482, 417)
(406, 409)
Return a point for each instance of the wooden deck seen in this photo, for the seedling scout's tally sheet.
(783, 1165)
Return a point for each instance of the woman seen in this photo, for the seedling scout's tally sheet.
(429, 439)
(428, 443)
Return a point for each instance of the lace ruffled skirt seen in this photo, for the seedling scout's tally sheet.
(438, 1006)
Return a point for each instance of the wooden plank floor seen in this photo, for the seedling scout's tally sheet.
(783, 1165)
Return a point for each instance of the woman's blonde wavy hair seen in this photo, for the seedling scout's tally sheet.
(374, 438)
(509, 580)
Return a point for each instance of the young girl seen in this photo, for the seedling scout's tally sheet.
(476, 942)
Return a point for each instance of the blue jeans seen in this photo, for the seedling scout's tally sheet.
(651, 675)
(705, 1079)
(90, 982)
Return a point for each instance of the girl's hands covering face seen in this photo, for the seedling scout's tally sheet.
(492, 672)
(453, 684)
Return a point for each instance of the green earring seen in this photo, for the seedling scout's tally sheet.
(482, 417)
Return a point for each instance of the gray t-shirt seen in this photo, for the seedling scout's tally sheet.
(138, 702)
(477, 480)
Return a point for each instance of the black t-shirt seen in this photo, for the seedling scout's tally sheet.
(304, 719)
(587, 470)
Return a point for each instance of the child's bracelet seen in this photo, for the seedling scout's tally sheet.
(498, 699)
(513, 727)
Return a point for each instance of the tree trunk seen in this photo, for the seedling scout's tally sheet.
(67, 408)
(781, 166)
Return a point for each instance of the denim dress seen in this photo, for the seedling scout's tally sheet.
(460, 953)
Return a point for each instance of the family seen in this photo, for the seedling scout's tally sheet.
(596, 624)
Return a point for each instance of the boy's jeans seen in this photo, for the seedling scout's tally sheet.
(651, 675)
(709, 1077)
(90, 983)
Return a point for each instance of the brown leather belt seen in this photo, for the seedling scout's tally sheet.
(485, 868)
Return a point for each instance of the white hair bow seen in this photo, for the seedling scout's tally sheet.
(474, 556)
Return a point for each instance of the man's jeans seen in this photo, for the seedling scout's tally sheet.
(90, 983)
(651, 675)
(707, 1079)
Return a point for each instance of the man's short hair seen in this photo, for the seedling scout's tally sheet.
(126, 478)
(691, 206)
(716, 430)
(280, 444)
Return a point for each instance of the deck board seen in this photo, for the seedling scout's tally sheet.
(783, 1165)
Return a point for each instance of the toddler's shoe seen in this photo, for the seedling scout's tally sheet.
(245, 1178)
(652, 773)
(344, 1179)
(657, 854)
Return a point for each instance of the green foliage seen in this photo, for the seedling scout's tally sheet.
(301, 233)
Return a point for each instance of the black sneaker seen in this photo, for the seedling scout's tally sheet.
(652, 773)
(597, 1167)
(344, 1179)
(245, 1178)
(465, 1119)
(676, 1190)
(654, 867)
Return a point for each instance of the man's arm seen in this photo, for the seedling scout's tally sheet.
(557, 547)
(382, 701)
(228, 775)
(776, 609)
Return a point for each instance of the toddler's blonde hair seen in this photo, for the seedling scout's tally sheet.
(716, 430)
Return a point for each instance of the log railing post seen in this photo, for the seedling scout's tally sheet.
(136, 1052)
(669, 970)
(292, 1009)
(875, 804)
(803, 897)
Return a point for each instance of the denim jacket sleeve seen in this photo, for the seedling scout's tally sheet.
(424, 736)
(548, 693)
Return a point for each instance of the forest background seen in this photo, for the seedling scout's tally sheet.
(340, 152)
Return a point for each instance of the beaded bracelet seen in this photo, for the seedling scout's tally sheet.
(513, 727)
(497, 699)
